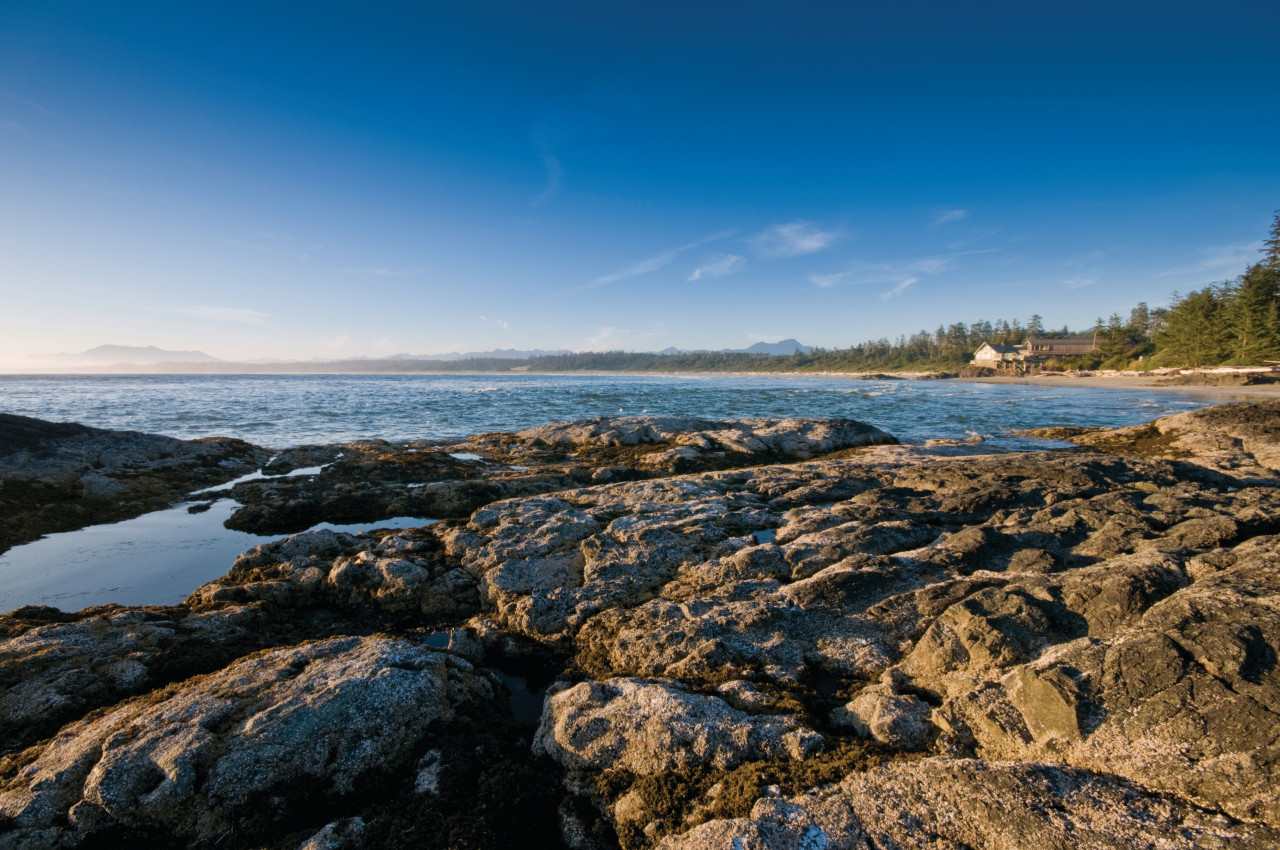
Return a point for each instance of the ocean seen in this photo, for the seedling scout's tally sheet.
(278, 411)
(160, 557)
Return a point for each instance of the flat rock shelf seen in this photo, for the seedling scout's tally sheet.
(649, 632)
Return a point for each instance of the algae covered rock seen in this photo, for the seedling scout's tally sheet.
(194, 760)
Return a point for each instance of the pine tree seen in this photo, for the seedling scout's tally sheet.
(1250, 315)
(1140, 322)
(1194, 333)
(1271, 248)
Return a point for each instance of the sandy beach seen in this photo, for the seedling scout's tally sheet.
(1135, 381)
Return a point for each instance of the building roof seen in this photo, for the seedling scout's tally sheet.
(1061, 343)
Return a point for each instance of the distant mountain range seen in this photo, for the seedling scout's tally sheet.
(497, 354)
(129, 355)
(785, 347)
(115, 358)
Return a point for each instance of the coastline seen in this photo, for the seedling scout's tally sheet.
(1108, 380)
(1135, 382)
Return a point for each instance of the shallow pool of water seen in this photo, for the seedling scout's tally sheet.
(155, 559)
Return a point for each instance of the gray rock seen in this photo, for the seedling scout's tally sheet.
(652, 727)
(195, 758)
(945, 803)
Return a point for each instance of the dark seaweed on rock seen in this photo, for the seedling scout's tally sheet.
(769, 640)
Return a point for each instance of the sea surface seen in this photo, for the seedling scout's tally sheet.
(278, 411)
(159, 558)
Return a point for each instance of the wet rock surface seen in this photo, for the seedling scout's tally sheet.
(59, 476)
(892, 646)
(370, 480)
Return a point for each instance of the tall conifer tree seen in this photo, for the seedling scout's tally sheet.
(1271, 248)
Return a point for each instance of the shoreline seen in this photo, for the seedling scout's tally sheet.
(1115, 380)
(1124, 382)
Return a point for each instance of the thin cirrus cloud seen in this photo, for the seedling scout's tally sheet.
(793, 239)
(657, 261)
(497, 323)
(381, 272)
(900, 274)
(555, 174)
(948, 216)
(717, 265)
(1235, 256)
(233, 315)
(900, 288)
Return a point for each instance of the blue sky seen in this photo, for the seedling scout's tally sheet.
(312, 179)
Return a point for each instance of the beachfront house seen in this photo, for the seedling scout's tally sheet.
(995, 355)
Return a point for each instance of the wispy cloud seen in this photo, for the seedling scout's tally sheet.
(555, 174)
(793, 239)
(28, 103)
(718, 264)
(657, 261)
(234, 315)
(652, 264)
(1078, 282)
(381, 272)
(826, 281)
(1236, 256)
(606, 333)
(948, 216)
(901, 274)
(282, 246)
(899, 289)
(497, 323)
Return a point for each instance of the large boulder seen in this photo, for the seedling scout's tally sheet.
(291, 726)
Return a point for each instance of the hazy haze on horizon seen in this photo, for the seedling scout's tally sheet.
(303, 180)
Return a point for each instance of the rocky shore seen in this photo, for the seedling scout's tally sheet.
(680, 634)
(60, 476)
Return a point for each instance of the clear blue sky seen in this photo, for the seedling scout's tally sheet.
(314, 179)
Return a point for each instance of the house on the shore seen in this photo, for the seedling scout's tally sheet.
(1034, 351)
(994, 353)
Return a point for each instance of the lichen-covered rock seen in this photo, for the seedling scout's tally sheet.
(1241, 440)
(1186, 699)
(775, 439)
(372, 479)
(55, 667)
(937, 804)
(896, 720)
(402, 574)
(652, 727)
(309, 720)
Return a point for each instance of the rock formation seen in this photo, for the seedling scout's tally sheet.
(803, 641)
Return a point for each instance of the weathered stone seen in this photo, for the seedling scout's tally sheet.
(651, 727)
(945, 803)
(194, 759)
(900, 721)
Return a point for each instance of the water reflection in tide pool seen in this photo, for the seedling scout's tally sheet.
(155, 559)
